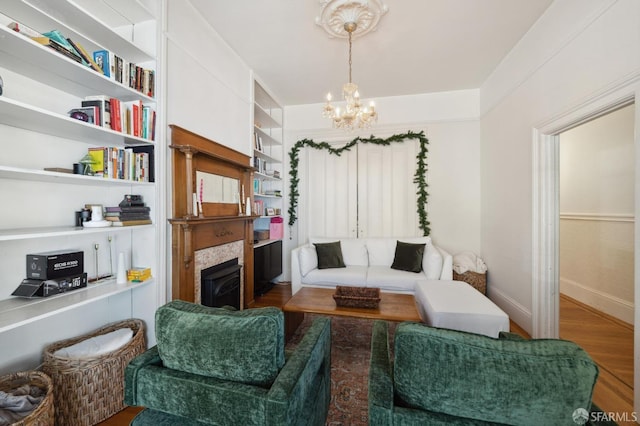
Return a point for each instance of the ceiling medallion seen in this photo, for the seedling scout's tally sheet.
(364, 13)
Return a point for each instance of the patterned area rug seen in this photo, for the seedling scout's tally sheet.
(350, 353)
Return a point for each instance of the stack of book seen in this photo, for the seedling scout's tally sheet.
(128, 216)
(138, 274)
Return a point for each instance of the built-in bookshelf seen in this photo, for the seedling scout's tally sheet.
(267, 158)
(268, 185)
(40, 144)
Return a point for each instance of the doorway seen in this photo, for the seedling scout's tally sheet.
(596, 249)
(545, 211)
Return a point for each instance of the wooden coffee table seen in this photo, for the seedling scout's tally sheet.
(393, 307)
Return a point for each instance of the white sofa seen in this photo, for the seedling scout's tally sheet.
(368, 264)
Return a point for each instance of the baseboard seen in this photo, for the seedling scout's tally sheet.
(601, 301)
(517, 313)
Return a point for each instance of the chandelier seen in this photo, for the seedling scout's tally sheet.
(341, 17)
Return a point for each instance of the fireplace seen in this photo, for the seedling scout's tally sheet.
(212, 232)
(221, 284)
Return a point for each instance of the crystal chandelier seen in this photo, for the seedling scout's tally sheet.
(352, 19)
(353, 115)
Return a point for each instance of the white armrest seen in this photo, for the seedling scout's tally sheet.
(296, 276)
(447, 265)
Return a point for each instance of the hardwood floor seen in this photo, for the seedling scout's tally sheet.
(609, 341)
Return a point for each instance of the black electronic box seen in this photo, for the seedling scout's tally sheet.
(44, 288)
(55, 264)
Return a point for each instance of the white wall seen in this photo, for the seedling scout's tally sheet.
(597, 213)
(577, 49)
(450, 122)
(208, 85)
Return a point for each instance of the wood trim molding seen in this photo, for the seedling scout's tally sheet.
(219, 223)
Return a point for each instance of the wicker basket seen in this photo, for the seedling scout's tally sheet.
(474, 279)
(43, 415)
(89, 390)
(357, 297)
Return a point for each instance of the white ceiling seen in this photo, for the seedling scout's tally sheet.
(420, 46)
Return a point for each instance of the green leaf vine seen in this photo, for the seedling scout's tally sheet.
(419, 177)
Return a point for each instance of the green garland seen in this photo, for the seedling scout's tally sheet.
(419, 176)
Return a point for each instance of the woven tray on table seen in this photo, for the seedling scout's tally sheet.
(474, 279)
(43, 415)
(357, 297)
(89, 390)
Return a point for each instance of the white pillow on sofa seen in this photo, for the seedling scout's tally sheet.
(432, 262)
(308, 260)
(354, 250)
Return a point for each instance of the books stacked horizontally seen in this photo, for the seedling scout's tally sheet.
(128, 215)
(138, 274)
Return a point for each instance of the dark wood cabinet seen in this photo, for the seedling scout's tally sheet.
(267, 265)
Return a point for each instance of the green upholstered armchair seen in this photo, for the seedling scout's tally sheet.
(222, 367)
(445, 377)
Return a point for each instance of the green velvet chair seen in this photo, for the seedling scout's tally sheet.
(447, 377)
(222, 367)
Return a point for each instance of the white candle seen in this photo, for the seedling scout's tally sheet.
(195, 204)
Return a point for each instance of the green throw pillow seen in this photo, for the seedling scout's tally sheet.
(329, 255)
(408, 257)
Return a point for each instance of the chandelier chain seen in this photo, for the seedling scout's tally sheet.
(350, 56)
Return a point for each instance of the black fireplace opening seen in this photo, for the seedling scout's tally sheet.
(221, 284)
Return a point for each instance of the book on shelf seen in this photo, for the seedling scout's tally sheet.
(132, 222)
(46, 41)
(104, 105)
(85, 56)
(101, 58)
(97, 157)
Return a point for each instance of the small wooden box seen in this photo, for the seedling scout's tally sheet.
(357, 297)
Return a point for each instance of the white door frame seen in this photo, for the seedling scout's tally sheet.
(545, 215)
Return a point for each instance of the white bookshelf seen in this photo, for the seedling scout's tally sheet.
(40, 204)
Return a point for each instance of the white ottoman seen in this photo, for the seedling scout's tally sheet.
(458, 306)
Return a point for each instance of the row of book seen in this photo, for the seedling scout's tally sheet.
(122, 163)
(257, 141)
(263, 188)
(101, 61)
(132, 117)
(260, 165)
(128, 215)
(125, 72)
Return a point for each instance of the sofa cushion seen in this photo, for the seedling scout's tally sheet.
(493, 380)
(381, 251)
(242, 346)
(350, 275)
(389, 279)
(329, 255)
(308, 259)
(354, 250)
(408, 257)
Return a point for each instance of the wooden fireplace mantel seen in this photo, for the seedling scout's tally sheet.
(219, 223)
